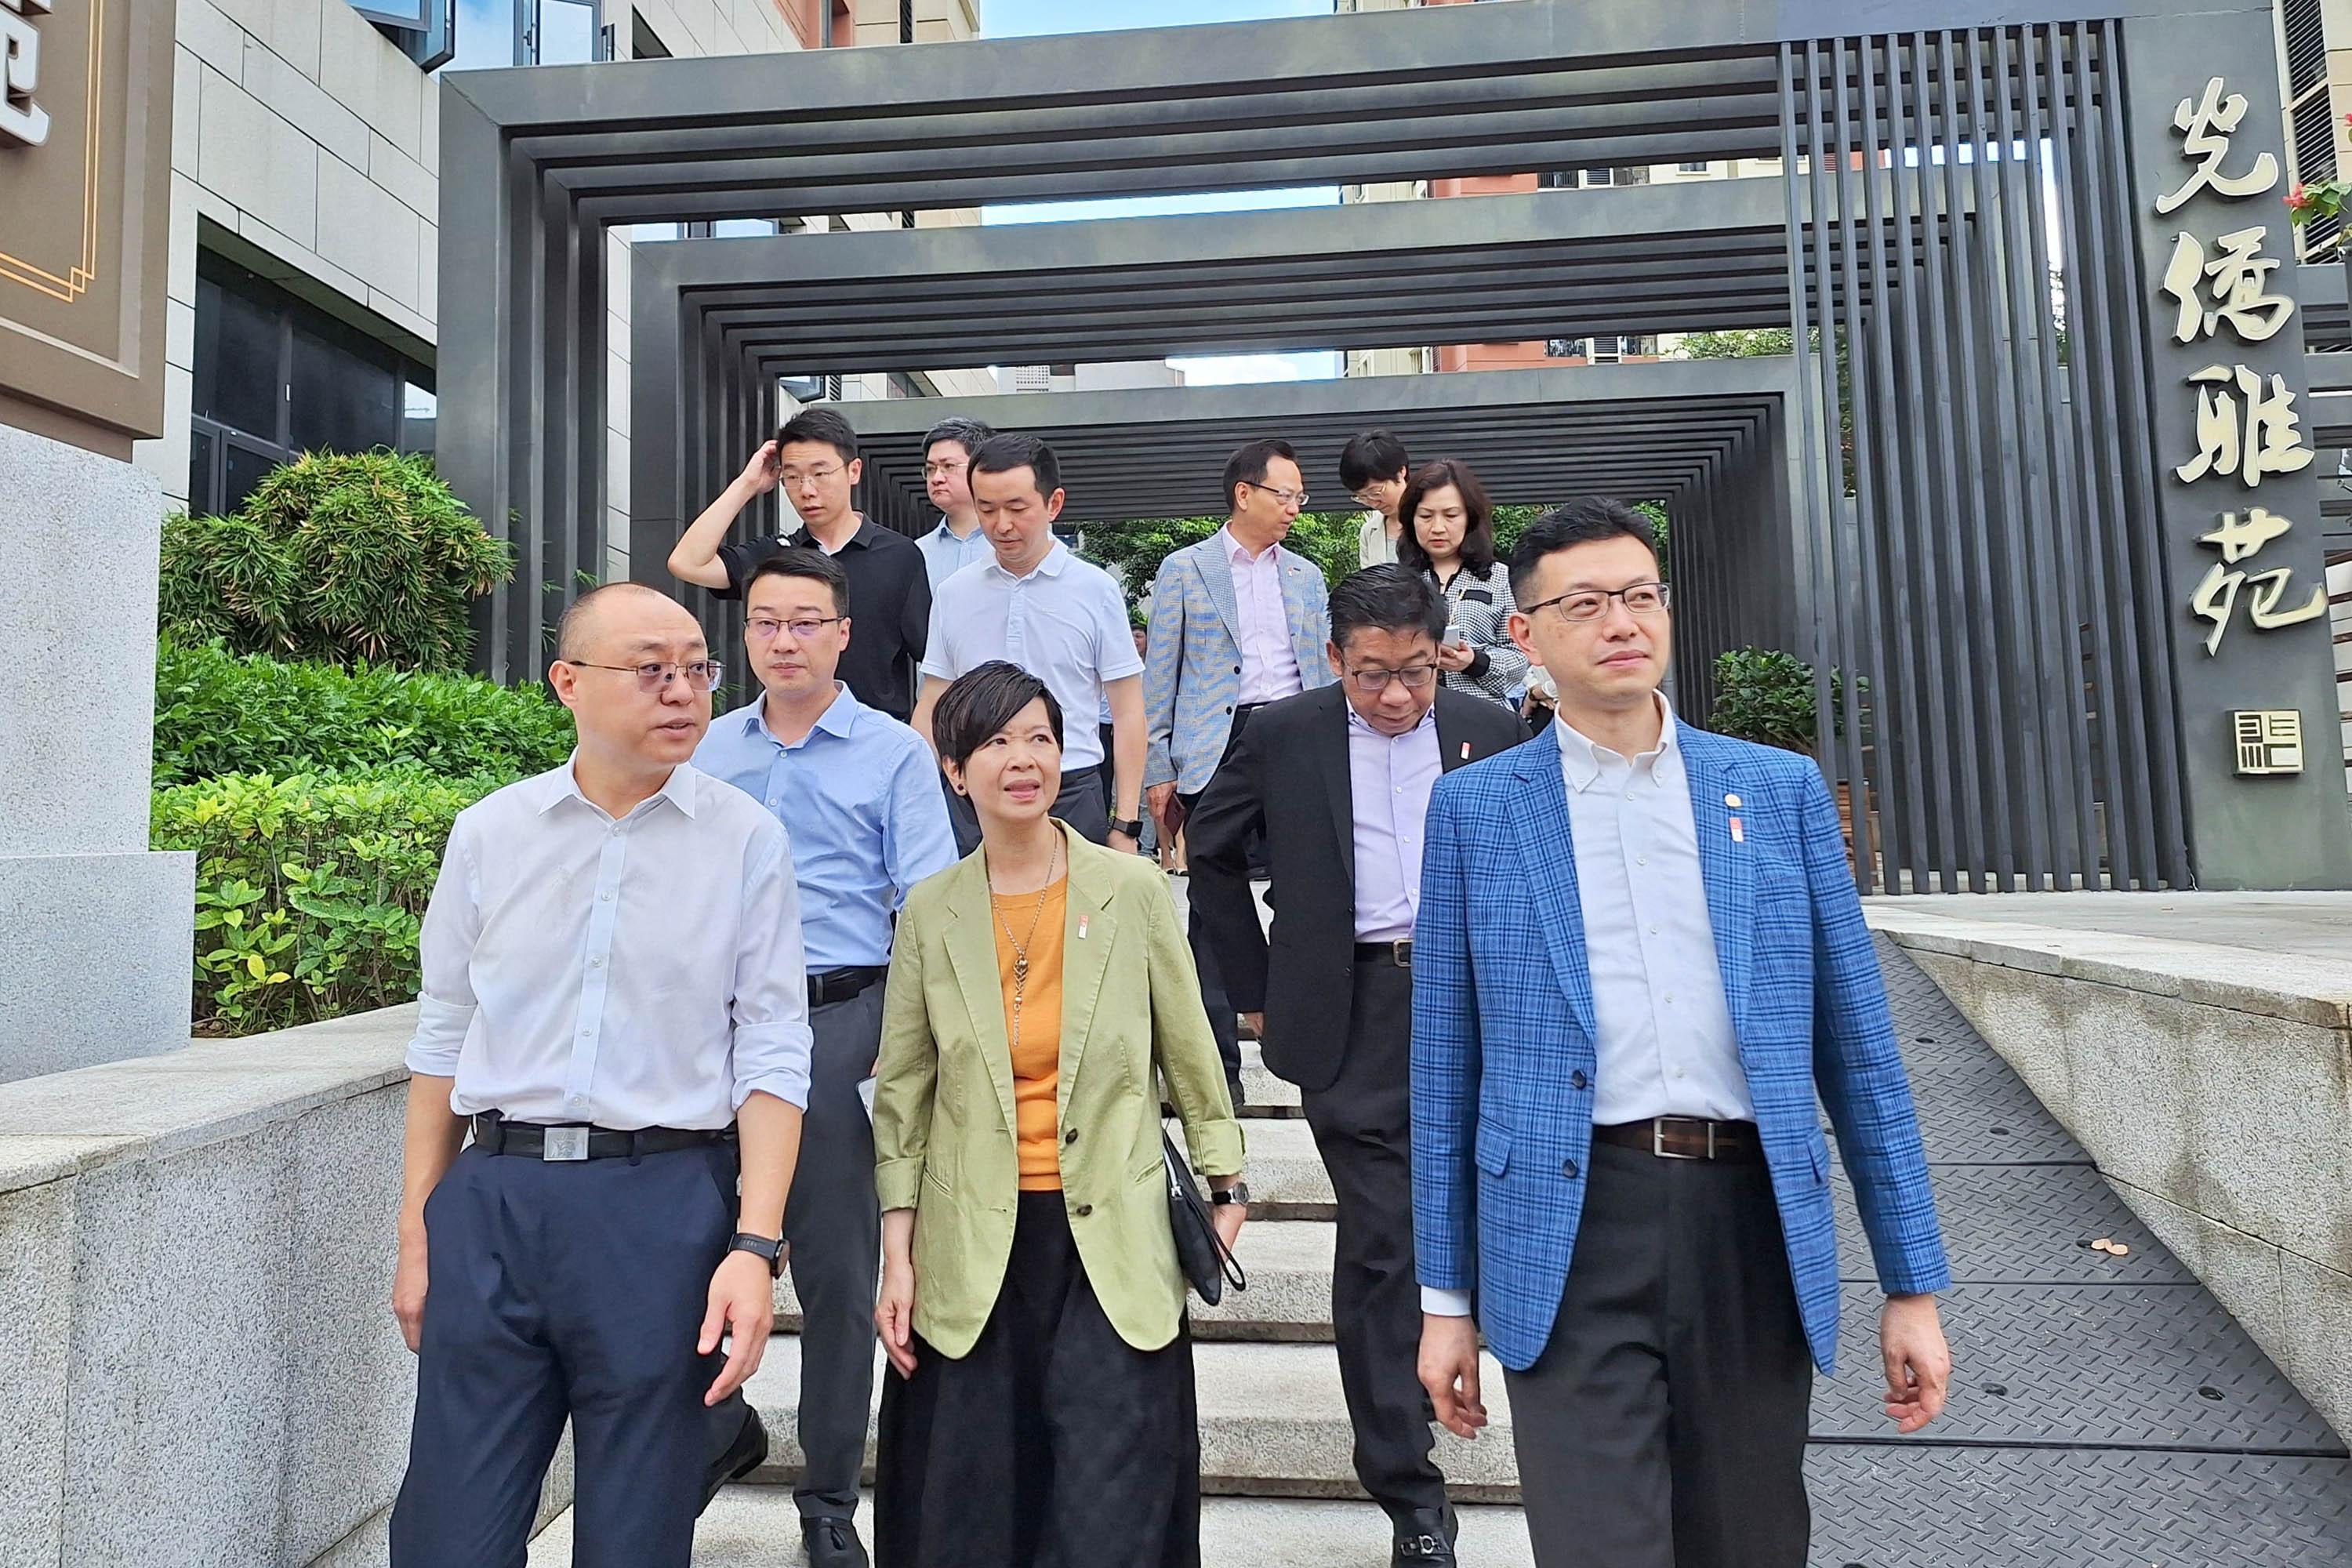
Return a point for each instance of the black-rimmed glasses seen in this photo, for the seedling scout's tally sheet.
(1591, 604)
(702, 674)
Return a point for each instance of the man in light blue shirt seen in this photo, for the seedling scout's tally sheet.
(868, 822)
(958, 541)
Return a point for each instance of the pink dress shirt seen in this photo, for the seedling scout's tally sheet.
(1269, 666)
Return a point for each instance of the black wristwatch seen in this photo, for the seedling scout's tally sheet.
(1237, 1193)
(761, 1246)
(1131, 825)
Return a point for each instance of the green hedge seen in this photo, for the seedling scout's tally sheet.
(310, 888)
(341, 557)
(218, 713)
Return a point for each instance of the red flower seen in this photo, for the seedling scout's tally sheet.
(2295, 199)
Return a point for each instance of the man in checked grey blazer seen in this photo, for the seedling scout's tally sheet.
(1237, 622)
(1638, 959)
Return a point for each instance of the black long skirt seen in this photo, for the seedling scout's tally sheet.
(1054, 1444)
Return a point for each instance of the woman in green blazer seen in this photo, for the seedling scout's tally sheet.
(1041, 991)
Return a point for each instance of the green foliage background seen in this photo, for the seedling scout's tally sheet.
(310, 888)
(338, 558)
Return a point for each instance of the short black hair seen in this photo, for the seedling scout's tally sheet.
(820, 425)
(1248, 466)
(1584, 521)
(1478, 516)
(1386, 598)
(969, 434)
(982, 700)
(1005, 454)
(1374, 455)
(800, 561)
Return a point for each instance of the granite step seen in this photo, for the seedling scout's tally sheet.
(757, 1527)
(1289, 1297)
(1272, 1424)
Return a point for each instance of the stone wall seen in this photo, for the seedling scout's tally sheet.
(198, 1363)
(2213, 1087)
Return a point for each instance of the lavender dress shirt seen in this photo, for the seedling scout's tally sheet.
(1269, 669)
(1389, 778)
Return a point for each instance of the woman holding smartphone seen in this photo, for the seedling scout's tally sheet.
(1449, 534)
(1041, 991)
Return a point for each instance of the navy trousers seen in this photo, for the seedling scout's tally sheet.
(558, 1290)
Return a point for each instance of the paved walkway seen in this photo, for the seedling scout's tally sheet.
(2108, 1412)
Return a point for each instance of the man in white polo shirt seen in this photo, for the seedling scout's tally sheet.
(1057, 617)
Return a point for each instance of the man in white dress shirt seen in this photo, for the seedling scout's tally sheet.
(615, 1006)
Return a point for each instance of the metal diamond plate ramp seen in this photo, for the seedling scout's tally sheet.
(2019, 1224)
(1912, 1507)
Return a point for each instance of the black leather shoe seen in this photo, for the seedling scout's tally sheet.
(1424, 1539)
(833, 1543)
(746, 1453)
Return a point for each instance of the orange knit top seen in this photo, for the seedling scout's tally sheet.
(1037, 1036)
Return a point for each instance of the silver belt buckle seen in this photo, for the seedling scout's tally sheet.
(563, 1143)
(1658, 1139)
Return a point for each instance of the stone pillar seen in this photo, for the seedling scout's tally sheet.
(96, 946)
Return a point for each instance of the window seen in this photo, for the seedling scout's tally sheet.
(276, 376)
(421, 28)
(485, 35)
(1698, 168)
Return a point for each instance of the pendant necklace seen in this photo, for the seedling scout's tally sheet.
(1021, 944)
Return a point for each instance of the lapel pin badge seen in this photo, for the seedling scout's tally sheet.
(1739, 834)
(1082, 928)
(1732, 801)
(1466, 750)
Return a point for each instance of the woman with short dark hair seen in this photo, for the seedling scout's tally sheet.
(1449, 534)
(1041, 991)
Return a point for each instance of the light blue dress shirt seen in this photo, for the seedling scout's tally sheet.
(944, 555)
(860, 795)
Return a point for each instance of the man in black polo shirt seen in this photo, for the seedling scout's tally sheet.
(814, 457)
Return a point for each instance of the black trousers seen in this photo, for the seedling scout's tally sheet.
(1054, 1444)
(1222, 1022)
(1664, 1426)
(1362, 1128)
(1084, 803)
(564, 1290)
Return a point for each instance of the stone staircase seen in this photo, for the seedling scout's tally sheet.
(1274, 1440)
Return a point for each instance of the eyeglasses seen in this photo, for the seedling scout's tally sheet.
(701, 674)
(940, 470)
(1287, 498)
(798, 477)
(1372, 682)
(1591, 604)
(763, 628)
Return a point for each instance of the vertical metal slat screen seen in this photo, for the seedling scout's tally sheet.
(1991, 680)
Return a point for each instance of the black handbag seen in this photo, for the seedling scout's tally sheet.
(1207, 1262)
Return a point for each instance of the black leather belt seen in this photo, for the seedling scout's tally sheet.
(1398, 952)
(841, 984)
(1688, 1138)
(495, 1134)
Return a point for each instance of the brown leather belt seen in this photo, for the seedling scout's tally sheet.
(1688, 1138)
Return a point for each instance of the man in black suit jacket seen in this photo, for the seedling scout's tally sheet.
(1337, 779)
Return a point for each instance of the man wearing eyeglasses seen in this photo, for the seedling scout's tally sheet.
(614, 1005)
(861, 793)
(958, 541)
(1237, 621)
(1642, 976)
(1338, 780)
(813, 459)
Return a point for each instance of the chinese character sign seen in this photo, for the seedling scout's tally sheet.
(2248, 429)
(21, 120)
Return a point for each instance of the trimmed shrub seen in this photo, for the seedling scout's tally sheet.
(337, 557)
(218, 713)
(310, 889)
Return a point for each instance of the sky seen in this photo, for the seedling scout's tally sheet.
(1028, 18)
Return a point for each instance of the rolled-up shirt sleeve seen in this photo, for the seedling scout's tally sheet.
(452, 924)
(770, 1011)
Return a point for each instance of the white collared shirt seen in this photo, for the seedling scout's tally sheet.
(1064, 622)
(642, 972)
(1663, 1028)
(1269, 664)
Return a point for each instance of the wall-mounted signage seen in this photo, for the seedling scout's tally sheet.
(2269, 740)
(84, 210)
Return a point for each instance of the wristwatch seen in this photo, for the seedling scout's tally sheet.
(769, 1247)
(1236, 1194)
(1131, 825)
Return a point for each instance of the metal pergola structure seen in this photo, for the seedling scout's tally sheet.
(1941, 498)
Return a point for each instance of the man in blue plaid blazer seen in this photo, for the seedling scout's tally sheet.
(1639, 958)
